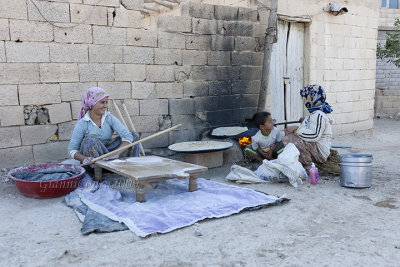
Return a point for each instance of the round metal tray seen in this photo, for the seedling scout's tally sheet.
(200, 146)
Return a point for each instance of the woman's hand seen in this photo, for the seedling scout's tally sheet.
(88, 161)
(290, 129)
(112, 157)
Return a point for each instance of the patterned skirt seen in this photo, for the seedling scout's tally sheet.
(309, 151)
(93, 147)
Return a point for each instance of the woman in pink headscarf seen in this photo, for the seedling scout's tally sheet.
(92, 135)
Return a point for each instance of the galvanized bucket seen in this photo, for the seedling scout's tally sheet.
(355, 170)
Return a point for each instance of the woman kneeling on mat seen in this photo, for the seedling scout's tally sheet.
(92, 135)
(313, 137)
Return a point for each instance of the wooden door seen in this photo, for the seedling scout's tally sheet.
(286, 73)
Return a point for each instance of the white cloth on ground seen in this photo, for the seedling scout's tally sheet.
(286, 166)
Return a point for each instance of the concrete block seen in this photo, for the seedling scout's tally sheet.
(117, 90)
(68, 52)
(109, 35)
(59, 72)
(10, 137)
(207, 73)
(13, 9)
(130, 72)
(228, 73)
(9, 95)
(59, 112)
(170, 23)
(181, 106)
(96, 72)
(2, 52)
(228, 102)
(52, 11)
(127, 18)
(4, 30)
(182, 73)
(198, 42)
(112, 3)
(75, 109)
(250, 73)
(139, 55)
(81, 34)
(168, 56)
(204, 26)
(219, 88)
(12, 116)
(259, 30)
(19, 73)
(246, 87)
(133, 4)
(16, 157)
(171, 40)
(141, 37)
(183, 135)
(27, 52)
(153, 107)
(244, 43)
(143, 90)
(233, 28)
(226, 13)
(224, 43)
(132, 105)
(159, 141)
(193, 57)
(188, 122)
(242, 58)
(159, 73)
(209, 159)
(206, 103)
(197, 10)
(39, 94)
(51, 152)
(220, 58)
(37, 134)
(81, 12)
(105, 54)
(195, 89)
(73, 91)
(30, 31)
(247, 14)
(65, 130)
(146, 123)
(169, 90)
(249, 101)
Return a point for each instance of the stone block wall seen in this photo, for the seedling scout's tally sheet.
(341, 56)
(387, 94)
(200, 67)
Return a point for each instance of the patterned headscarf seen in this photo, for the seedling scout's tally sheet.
(90, 98)
(314, 98)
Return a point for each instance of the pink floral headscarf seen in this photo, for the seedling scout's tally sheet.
(90, 98)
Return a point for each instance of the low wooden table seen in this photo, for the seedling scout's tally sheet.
(154, 170)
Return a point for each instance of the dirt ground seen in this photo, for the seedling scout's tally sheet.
(322, 225)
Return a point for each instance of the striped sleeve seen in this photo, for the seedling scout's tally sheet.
(312, 128)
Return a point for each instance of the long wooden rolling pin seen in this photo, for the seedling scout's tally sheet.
(137, 142)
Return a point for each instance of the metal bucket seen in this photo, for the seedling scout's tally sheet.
(355, 170)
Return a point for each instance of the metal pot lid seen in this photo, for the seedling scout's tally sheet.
(200, 146)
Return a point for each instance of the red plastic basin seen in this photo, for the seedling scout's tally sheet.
(47, 189)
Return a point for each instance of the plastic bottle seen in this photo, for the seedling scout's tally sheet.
(314, 176)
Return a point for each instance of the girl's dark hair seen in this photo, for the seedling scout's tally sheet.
(260, 117)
